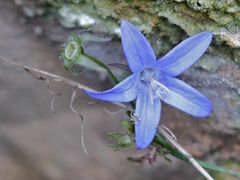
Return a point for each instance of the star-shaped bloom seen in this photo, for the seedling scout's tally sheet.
(153, 81)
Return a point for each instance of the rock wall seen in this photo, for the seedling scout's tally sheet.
(166, 23)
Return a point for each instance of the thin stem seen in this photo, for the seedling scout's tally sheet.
(56, 78)
(104, 66)
(183, 151)
(159, 138)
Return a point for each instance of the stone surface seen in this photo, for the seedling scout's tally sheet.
(27, 122)
(166, 23)
(36, 144)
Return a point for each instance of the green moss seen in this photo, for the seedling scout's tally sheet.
(164, 22)
(200, 5)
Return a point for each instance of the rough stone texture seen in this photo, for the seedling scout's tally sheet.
(36, 144)
(164, 20)
(166, 23)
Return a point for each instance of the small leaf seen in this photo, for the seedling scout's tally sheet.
(121, 141)
(128, 126)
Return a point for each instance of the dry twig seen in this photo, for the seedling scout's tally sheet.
(74, 93)
(54, 77)
(162, 130)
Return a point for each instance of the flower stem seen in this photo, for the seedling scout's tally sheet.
(184, 152)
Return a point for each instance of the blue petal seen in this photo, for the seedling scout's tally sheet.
(186, 98)
(125, 91)
(137, 49)
(185, 54)
(148, 117)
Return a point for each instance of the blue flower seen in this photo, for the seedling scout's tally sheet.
(154, 80)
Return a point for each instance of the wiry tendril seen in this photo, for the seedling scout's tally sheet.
(47, 76)
(55, 96)
(74, 93)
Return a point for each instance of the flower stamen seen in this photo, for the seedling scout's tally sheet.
(134, 118)
(159, 89)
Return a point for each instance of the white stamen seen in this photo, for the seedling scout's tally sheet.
(134, 117)
(159, 89)
(155, 89)
(151, 94)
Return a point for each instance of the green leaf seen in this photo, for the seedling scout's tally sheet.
(128, 126)
(121, 141)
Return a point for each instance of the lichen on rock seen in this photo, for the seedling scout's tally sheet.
(167, 21)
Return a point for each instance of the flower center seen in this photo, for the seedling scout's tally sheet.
(147, 74)
(156, 89)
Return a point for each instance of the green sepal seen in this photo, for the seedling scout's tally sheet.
(121, 141)
(73, 55)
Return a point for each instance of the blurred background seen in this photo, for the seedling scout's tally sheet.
(37, 144)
